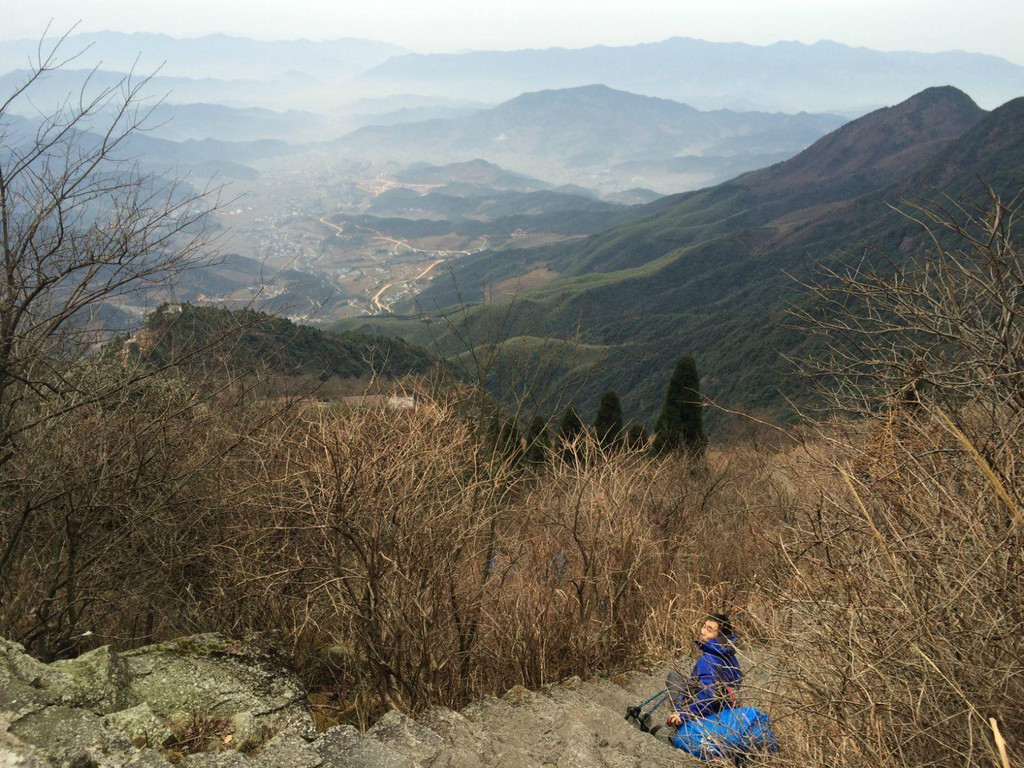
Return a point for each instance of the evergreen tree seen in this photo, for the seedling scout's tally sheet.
(536, 441)
(569, 429)
(681, 423)
(608, 422)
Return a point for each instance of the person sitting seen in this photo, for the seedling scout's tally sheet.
(715, 680)
(710, 723)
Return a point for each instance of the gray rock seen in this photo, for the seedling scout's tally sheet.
(228, 759)
(579, 756)
(506, 740)
(618, 742)
(455, 729)
(288, 750)
(249, 733)
(88, 759)
(618, 691)
(26, 683)
(219, 678)
(147, 758)
(99, 680)
(457, 757)
(342, 746)
(139, 725)
(99, 709)
(102, 707)
(533, 724)
(407, 737)
(609, 729)
(487, 710)
(62, 732)
(19, 758)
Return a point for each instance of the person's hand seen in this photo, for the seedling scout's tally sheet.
(675, 719)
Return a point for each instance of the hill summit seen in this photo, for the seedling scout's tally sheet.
(598, 136)
(249, 341)
(877, 148)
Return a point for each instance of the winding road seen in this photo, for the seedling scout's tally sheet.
(375, 302)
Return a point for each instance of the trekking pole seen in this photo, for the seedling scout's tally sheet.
(661, 700)
(637, 711)
(645, 702)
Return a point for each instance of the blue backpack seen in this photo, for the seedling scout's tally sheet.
(729, 733)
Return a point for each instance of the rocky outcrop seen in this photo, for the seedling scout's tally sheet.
(209, 702)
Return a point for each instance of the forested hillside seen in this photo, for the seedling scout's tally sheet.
(712, 272)
(246, 340)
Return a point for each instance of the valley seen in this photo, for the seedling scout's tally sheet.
(314, 222)
(367, 187)
(719, 270)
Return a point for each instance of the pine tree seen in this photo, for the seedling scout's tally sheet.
(569, 429)
(608, 422)
(681, 423)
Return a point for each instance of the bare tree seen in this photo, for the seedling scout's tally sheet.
(903, 585)
(82, 228)
(945, 325)
(83, 232)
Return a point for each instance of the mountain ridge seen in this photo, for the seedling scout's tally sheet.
(582, 135)
(782, 76)
(706, 272)
(243, 340)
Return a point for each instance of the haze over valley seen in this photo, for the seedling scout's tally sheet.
(362, 179)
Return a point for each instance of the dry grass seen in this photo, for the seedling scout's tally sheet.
(900, 632)
(875, 572)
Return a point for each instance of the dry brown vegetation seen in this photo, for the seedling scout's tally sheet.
(903, 639)
(408, 564)
(405, 559)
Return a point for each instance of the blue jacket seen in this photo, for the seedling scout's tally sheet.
(714, 681)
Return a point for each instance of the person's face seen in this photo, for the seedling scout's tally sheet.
(709, 631)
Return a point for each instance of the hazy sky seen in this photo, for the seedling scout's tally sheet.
(982, 26)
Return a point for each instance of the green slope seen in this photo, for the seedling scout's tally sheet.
(245, 340)
(710, 273)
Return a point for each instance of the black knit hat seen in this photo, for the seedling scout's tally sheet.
(724, 624)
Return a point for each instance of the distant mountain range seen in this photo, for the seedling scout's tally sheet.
(788, 77)
(600, 137)
(321, 77)
(705, 272)
(213, 108)
(216, 69)
(54, 88)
